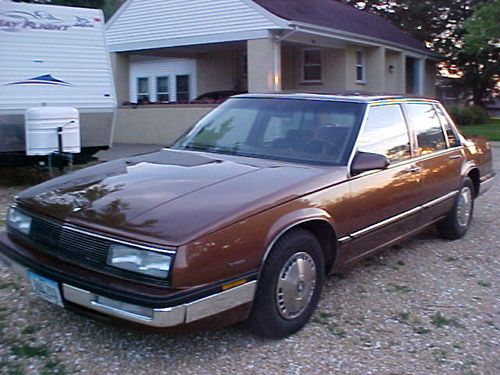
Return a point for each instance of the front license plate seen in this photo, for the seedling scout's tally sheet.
(46, 288)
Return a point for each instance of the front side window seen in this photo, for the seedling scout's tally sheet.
(142, 90)
(295, 130)
(182, 88)
(312, 65)
(360, 66)
(427, 128)
(162, 94)
(386, 133)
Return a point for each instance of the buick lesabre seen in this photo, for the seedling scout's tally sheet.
(242, 218)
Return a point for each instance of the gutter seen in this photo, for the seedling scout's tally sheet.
(357, 38)
(282, 38)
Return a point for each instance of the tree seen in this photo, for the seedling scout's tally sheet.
(479, 55)
(482, 30)
(437, 23)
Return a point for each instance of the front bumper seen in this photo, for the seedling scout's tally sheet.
(150, 316)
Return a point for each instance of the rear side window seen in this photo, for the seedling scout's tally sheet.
(386, 133)
(450, 133)
(427, 128)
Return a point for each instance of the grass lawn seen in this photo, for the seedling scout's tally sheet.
(491, 130)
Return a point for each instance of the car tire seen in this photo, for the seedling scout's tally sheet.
(457, 222)
(289, 287)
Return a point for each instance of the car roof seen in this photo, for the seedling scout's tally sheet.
(350, 97)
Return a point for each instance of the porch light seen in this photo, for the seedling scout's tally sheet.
(392, 68)
(276, 80)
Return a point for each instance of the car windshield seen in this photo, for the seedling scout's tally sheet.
(296, 130)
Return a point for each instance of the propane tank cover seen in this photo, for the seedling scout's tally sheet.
(41, 128)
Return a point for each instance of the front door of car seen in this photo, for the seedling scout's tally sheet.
(383, 202)
(439, 157)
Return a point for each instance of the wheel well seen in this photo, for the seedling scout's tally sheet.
(326, 237)
(474, 176)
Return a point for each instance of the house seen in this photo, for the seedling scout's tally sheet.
(174, 50)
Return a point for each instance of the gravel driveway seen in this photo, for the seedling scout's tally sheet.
(426, 306)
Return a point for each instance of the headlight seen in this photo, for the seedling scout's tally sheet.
(17, 220)
(141, 261)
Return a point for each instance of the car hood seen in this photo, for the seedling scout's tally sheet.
(171, 197)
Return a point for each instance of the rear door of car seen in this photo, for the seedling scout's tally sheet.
(438, 155)
(384, 203)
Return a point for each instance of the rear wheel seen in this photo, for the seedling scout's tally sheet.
(456, 224)
(289, 286)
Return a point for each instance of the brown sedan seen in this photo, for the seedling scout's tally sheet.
(245, 214)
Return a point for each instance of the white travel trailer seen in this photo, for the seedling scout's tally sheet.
(54, 56)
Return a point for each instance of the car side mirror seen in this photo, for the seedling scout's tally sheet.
(367, 161)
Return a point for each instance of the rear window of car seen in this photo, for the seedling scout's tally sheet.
(450, 132)
(297, 130)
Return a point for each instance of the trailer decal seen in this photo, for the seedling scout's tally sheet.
(14, 21)
(41, 80)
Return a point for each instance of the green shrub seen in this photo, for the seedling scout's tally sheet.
(479, 115)
(473, 115)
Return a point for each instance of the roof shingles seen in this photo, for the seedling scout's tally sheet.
(335, 15)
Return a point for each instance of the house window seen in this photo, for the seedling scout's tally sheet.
(360, 66)
(182, 88)
(162, 95)
(311, 63)
(142, 90)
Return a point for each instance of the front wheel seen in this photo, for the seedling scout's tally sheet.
(289, 287)
(456, 224)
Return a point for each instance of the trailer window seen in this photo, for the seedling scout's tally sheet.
(142, 90)
(162, 92)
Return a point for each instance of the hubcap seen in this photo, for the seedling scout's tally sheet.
(296, 284)
(464, 207)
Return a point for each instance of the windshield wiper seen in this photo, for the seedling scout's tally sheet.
(198, 147)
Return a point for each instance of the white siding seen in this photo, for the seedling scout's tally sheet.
(76, 55)
(143, 24)
(152, 67)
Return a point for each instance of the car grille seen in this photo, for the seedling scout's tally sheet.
(78, 248)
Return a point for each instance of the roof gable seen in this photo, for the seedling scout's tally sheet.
(150, 24)
(146, 24)
(335, 15)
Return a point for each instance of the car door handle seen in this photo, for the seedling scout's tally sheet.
(413, 169)
(455, 157)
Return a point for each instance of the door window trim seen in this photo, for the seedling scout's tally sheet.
(413, 142)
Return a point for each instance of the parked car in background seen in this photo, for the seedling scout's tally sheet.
(245, 215)
(216, 96)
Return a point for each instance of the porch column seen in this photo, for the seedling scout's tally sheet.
(376, 69)
(401, 74)
(420, 76)
(120, 68)
(264, 65)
